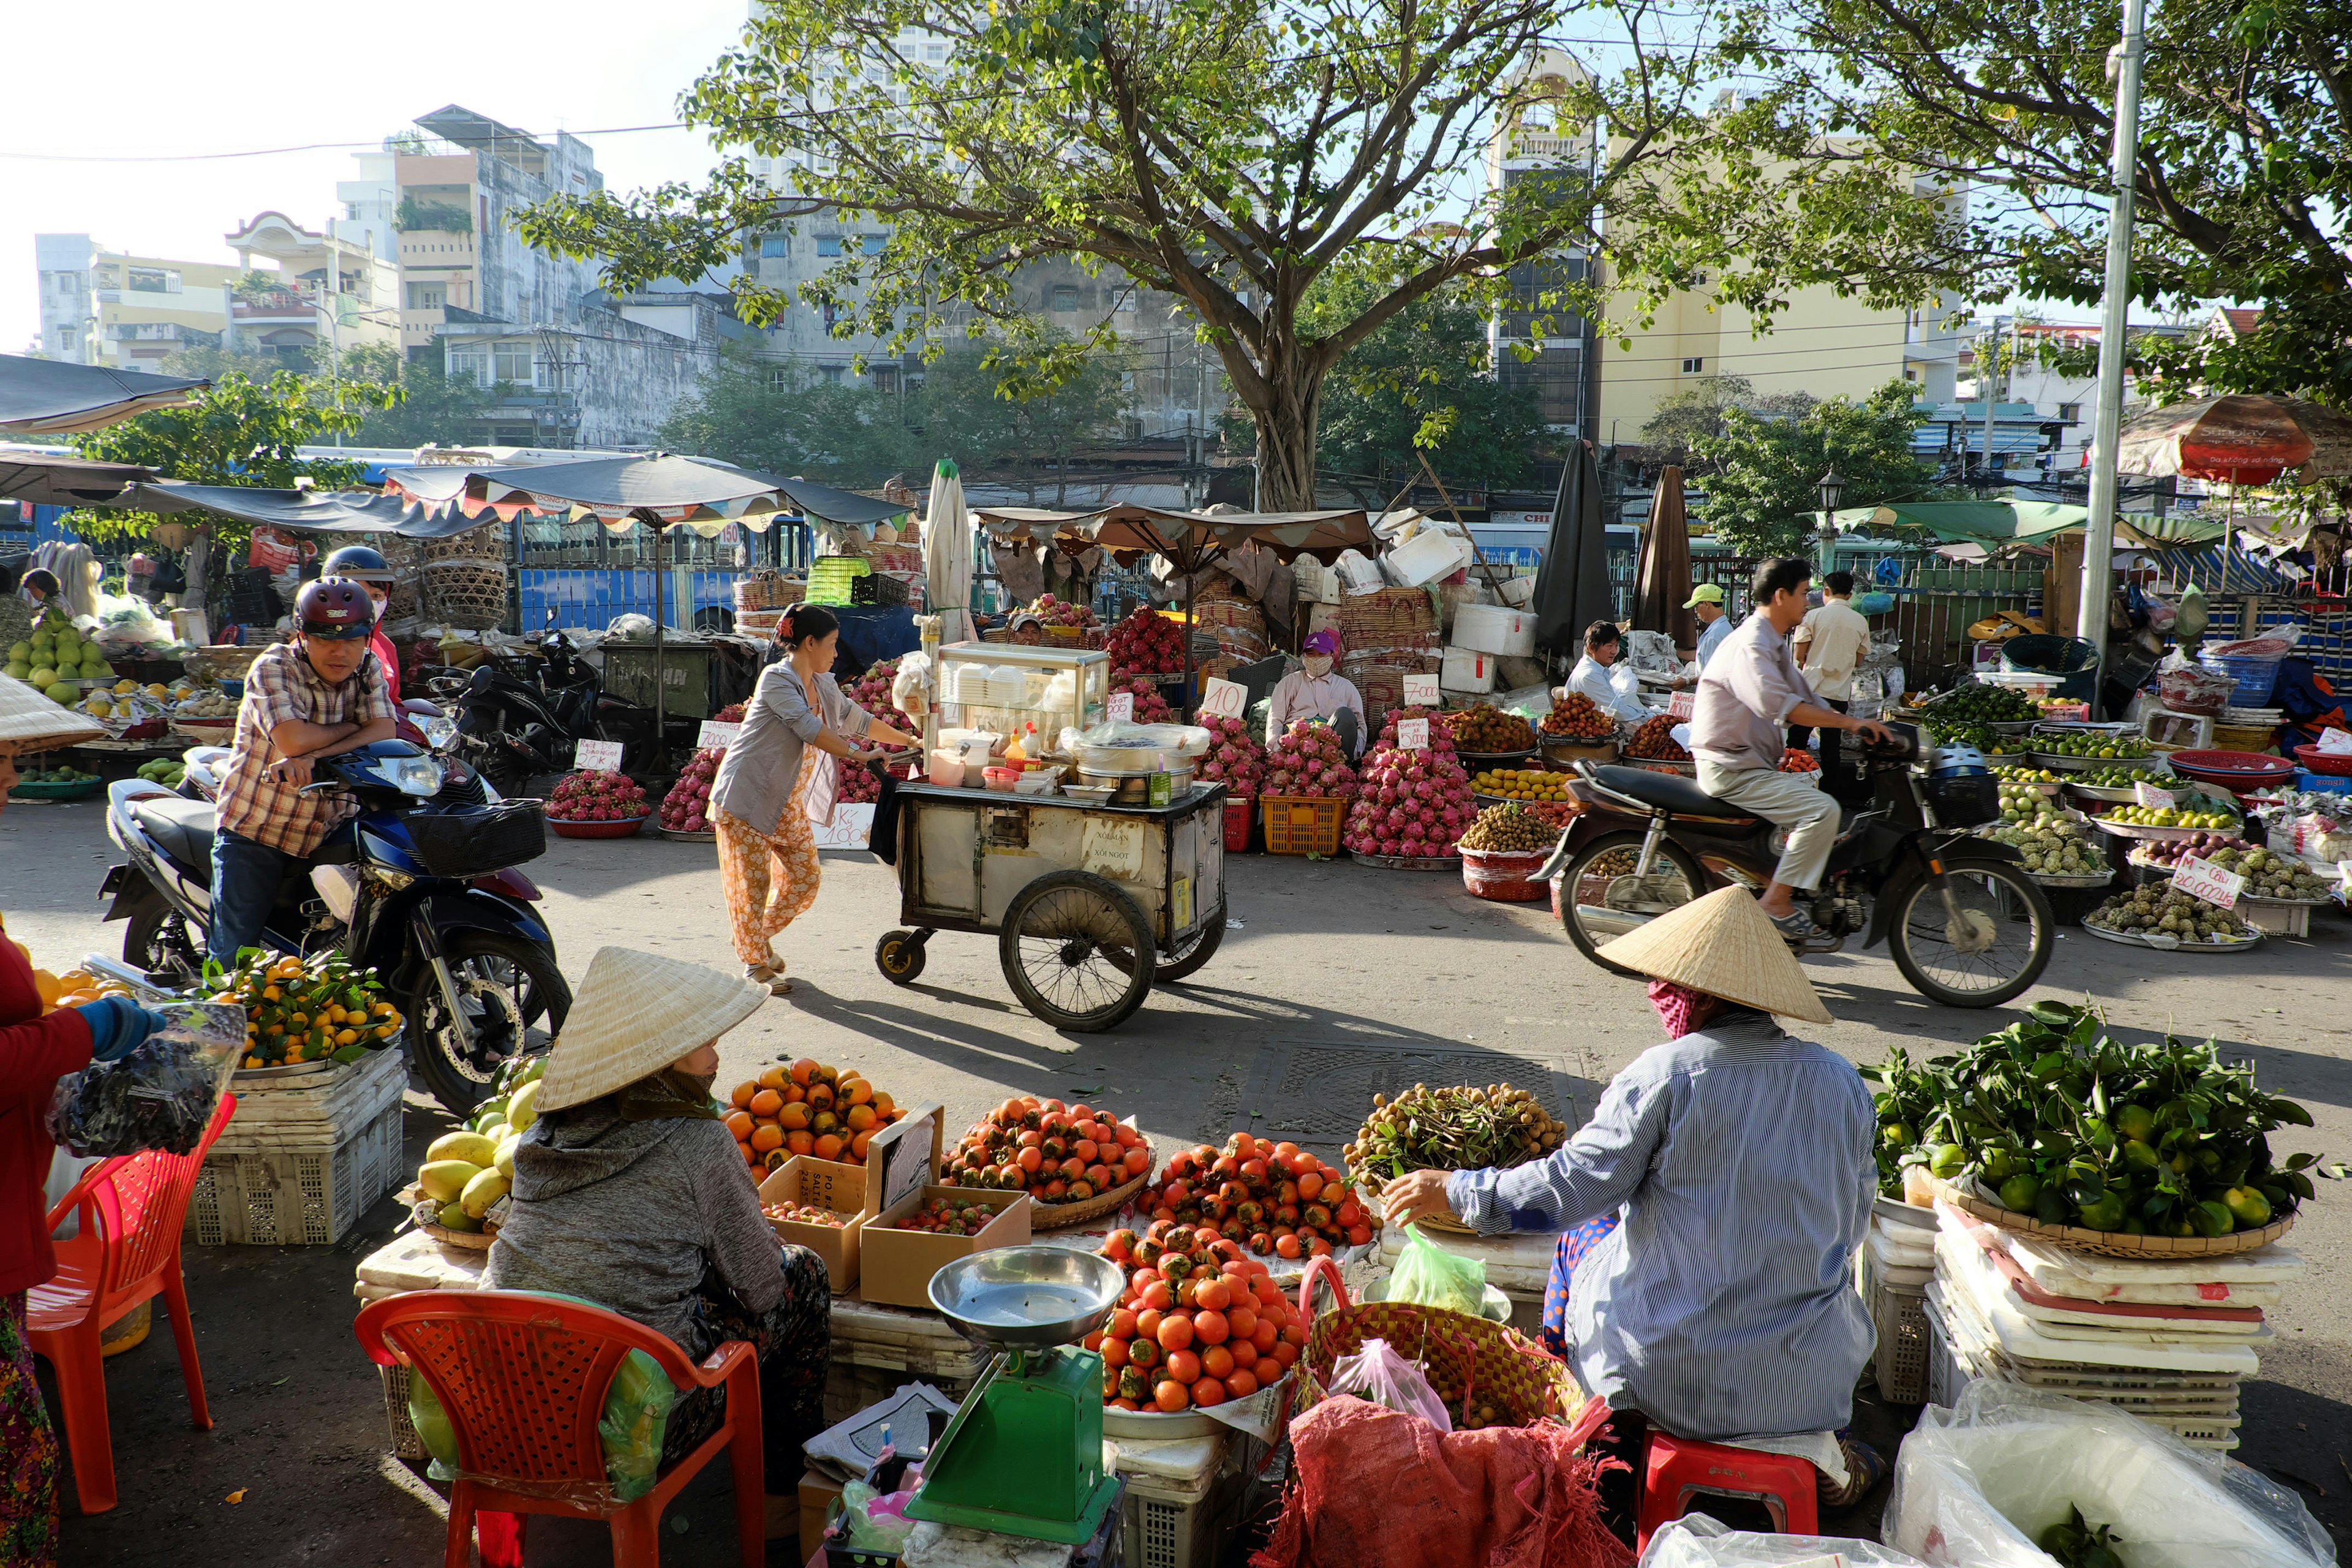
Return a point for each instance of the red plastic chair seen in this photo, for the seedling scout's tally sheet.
(522, 1379)
(1677, 1469)
(126, 1251)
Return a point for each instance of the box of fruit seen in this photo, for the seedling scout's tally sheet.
(819, 1205)
(915, 1226)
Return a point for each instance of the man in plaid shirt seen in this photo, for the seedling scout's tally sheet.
(318, 695)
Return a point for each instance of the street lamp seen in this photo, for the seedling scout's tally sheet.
(1832, 486)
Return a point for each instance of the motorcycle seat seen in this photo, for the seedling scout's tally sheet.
(183, 827)
(1669, 792)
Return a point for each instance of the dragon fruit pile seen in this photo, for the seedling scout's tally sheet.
(593, 795)
(1307, 761)
(1146, 643)
(871, 691)
(1056, 612)
(1232, 759)
(686, 807)
(1410, 803)
(1150, 707)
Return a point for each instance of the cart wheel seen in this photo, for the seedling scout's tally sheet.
(1188, 956)
(899, 956)
(1076, 950)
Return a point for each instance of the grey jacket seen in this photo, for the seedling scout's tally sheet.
(755, 777)
(630, 1215)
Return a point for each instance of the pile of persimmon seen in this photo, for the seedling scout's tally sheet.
(1198, 1324)
(1276, 1198)
(807, 1107)
(1056, 1153)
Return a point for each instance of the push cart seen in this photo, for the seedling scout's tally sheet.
(1089, 903)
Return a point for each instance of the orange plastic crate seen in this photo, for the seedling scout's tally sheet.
(1302, 823)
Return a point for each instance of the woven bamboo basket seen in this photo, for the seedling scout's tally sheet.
(469, 594)
(2109, 1243)
(490, 541)
(1054, 1217)
(1489, 1362)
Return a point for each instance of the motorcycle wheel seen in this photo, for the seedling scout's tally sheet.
(509, 986)
(2010, 915)
(1584, 881)
(160, 938)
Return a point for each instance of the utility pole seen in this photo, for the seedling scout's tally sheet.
(2099, 531)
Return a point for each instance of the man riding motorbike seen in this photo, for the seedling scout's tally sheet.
(322, 694)
(1750, 693)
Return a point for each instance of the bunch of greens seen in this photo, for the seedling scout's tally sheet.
(2067, 1125)
(2075, 1544)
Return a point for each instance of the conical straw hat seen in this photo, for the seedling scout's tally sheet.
(1726, 946)
(31, 722)
(635, 1015)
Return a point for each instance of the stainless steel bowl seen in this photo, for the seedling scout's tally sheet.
(1028, 1298)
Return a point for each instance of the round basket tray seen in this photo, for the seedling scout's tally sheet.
(2318, 762)
(63, 789)
(1159, 1425)
(685, 838)
(1576, 751)
(1370, 1196)
(565, 829)
(1413, 862)
(1688, 770)
(471, 1240)
(1054, 1217)
(2109, 1243)
(2160, 943)
(2261, 902)
(1476, 762)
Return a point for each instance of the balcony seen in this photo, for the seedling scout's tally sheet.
(276, 305)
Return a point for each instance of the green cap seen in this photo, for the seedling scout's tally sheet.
(1705, 594)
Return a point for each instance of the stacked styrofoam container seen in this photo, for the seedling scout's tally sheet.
(2169, 1341)
(1483, 634)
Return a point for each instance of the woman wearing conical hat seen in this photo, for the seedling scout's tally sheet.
(1709, 1212)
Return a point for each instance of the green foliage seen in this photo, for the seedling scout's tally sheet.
(1760, 492)
(787, 419)
(963, 411)
(2241, 184)
(433, 408)
(449, 218)
(1699, 410)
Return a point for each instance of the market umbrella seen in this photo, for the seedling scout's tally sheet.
(1664, 586)
(1573, 584)
(50, 398)
(2241, 438)
(323, 512)
(46, 480)
(947, 555)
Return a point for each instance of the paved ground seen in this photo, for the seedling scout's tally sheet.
(1333, 977)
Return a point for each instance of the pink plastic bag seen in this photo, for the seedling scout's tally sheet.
(1377, 1373)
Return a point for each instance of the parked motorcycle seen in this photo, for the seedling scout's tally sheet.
(1965, 924)
(519, 716)
(422, 887)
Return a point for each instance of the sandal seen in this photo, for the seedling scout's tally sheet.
(1794, 926)
(760, 975)
(1865, 1466)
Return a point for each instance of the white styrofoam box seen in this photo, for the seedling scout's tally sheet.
(1427, 556)
(1358, 574)
(1494, 628)
(1517, 592)
(1467, 670)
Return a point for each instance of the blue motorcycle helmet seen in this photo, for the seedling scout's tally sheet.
(360, 563)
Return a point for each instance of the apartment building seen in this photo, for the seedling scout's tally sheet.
(1531, 145)
(2031, 393)
(332, 293)
(110, 308)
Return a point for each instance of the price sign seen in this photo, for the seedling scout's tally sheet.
(1412, 734)
(1682, 705)
(2335, 743)
(1420, 692)
(2153, 795)
(1222, 699)
(2203, 879)
(716, 735)
(1121, 707)
(603, 756)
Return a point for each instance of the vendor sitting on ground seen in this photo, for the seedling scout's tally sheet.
(629, 1191)
(1709, 1211)
(1315, 690)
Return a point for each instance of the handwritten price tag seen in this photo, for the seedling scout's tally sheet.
(603, 756)
(2153, 795)
(2203, 879)
(1412, 734)
(1224, 699)
(1420, 692)
(1121, 706)
(715, 734)
(1682, 705)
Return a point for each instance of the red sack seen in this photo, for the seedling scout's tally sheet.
(1377, 1489)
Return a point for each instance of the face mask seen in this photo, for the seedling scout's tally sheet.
(1318, 666)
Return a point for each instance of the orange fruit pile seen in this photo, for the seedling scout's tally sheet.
(807, 1107)
(1056, 1153)
(1198, 1324)
(1278, 1199)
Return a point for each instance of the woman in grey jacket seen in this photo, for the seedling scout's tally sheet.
(776, 779)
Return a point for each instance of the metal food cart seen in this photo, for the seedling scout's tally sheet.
(1091, 900)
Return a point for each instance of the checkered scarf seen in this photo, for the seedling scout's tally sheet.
(1678, 1006)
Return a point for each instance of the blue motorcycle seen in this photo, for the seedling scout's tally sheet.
(421, 886)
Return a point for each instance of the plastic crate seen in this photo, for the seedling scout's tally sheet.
(1946, 1378)
(1170, 1525)
(404, 1443)
(1901, 1363)
(2322, 784)
(295, 1198)
(1237, 823)
(1302, 823)
(2251, 678)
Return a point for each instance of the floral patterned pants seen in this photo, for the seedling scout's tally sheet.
(28, 1450)
(770, 880)
(793, 1338)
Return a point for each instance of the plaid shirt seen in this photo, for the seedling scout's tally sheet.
(281, 686)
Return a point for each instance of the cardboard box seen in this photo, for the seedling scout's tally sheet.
(817, 1494)
(827, 1183)
(1467, 670)
(1495, 628)
(895, 1265)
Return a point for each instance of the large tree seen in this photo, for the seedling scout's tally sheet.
(1761, 471)
(784, 417)
(963, 412)
(2242, 181)
(1231, 154)
(1699, 410)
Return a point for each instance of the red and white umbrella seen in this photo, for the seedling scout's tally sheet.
(2239, 439)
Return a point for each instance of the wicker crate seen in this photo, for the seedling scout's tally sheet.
(1302, 823)
(469, 594)
(306, 1198)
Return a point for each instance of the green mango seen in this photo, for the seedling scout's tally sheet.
(2209, 1219)
(2021, 1192)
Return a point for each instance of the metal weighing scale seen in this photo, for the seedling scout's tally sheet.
(1024, 1454)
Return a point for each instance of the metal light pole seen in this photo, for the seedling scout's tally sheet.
(1832, 486)
(2099, 531)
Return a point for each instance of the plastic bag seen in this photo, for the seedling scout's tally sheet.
(158, 1096)
(1377, 1373)
(1978, 1484)
(1427, 1275)
(1695, 1541)
(872, 1523)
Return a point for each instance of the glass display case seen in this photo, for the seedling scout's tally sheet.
(1004, 687)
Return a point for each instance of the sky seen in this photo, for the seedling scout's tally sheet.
(145, 82)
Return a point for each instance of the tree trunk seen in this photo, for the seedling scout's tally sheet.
(1285, 438)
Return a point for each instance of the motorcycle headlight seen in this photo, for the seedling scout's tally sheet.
(439, 732)
(419, 776)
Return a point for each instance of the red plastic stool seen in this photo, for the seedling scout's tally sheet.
(1677, 1469)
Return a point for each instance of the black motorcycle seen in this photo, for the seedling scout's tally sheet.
(524, 715)
(1967, 925)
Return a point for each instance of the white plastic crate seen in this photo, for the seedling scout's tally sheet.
(1901, 1364)
(1181, 1502)
(1946, 1375)
(313, 1110)
(294, 1197)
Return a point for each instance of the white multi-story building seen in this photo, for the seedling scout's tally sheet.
(1530, 145)
(110, 308)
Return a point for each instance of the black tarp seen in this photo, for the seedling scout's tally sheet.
(1572, 584)
(50, 398)
(48, 480)
(324, 511)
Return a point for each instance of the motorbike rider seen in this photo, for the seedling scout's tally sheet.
(366, 566)
(320, 695)
(1750, 692)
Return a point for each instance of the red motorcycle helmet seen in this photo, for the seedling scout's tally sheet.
(335, 608)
